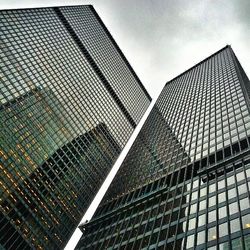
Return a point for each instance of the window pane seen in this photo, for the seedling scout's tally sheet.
(247, 242)
(246, 221)
(237, 244)
(230, 180)
(212, 201)
(202, 220)
(222, 197)
(212, 216)
(235, 225)
(242, 189)
(244, 204)
(221, 184)
(190, 241)
(202, 205)
(233, 208)
(231, 193)
(212, 234)
(201, 237)
(223, 230)
(191, 224)
(222, 212)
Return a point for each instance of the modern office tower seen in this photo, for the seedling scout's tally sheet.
(69, 101)
(184, 183)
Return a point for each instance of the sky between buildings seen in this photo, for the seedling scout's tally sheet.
(163, 38)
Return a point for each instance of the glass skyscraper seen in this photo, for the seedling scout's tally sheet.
(69, 101)
(185, 182)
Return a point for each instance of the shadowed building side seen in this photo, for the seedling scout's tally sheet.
(155, 152)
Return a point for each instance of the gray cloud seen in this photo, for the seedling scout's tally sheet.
(242, 8)
(164, 38)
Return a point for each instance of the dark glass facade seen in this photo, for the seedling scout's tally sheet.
(65, 115)
(185, 182)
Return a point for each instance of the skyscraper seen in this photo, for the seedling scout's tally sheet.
(185, 181)
(69, 101)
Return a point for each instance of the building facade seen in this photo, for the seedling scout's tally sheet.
(185, 181)
(69, 101)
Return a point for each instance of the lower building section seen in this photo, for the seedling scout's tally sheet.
(202, 208)
(44, 208)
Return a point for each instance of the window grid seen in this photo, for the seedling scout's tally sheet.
(188, 169)
(61, 128)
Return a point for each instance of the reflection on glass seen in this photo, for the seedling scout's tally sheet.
(212, 188)
(194, 195)
(201, 237)
(212, 234)
(222, 212)
(212, 201)
(195, 183)
(232, 193)
(222, 197)
(203, 205)
(242, 188)
(221, 184)
(188, 185)
(223, 230)
(212, 248)
(235, 225)
(233, 208)
(212, 216)
(202, 220)
(248, 171)
(247, 242)
(224, 246)
(191, 224)
(240, 176)
(193, 208)
(237, 244)
(184, 226)
(230, 180)
(190, 241)
(203, 192)
(244, 204)
(246, 221)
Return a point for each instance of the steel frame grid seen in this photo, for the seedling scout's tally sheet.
(230, 161)
(51, 95)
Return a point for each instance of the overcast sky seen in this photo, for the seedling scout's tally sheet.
(162, 38)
